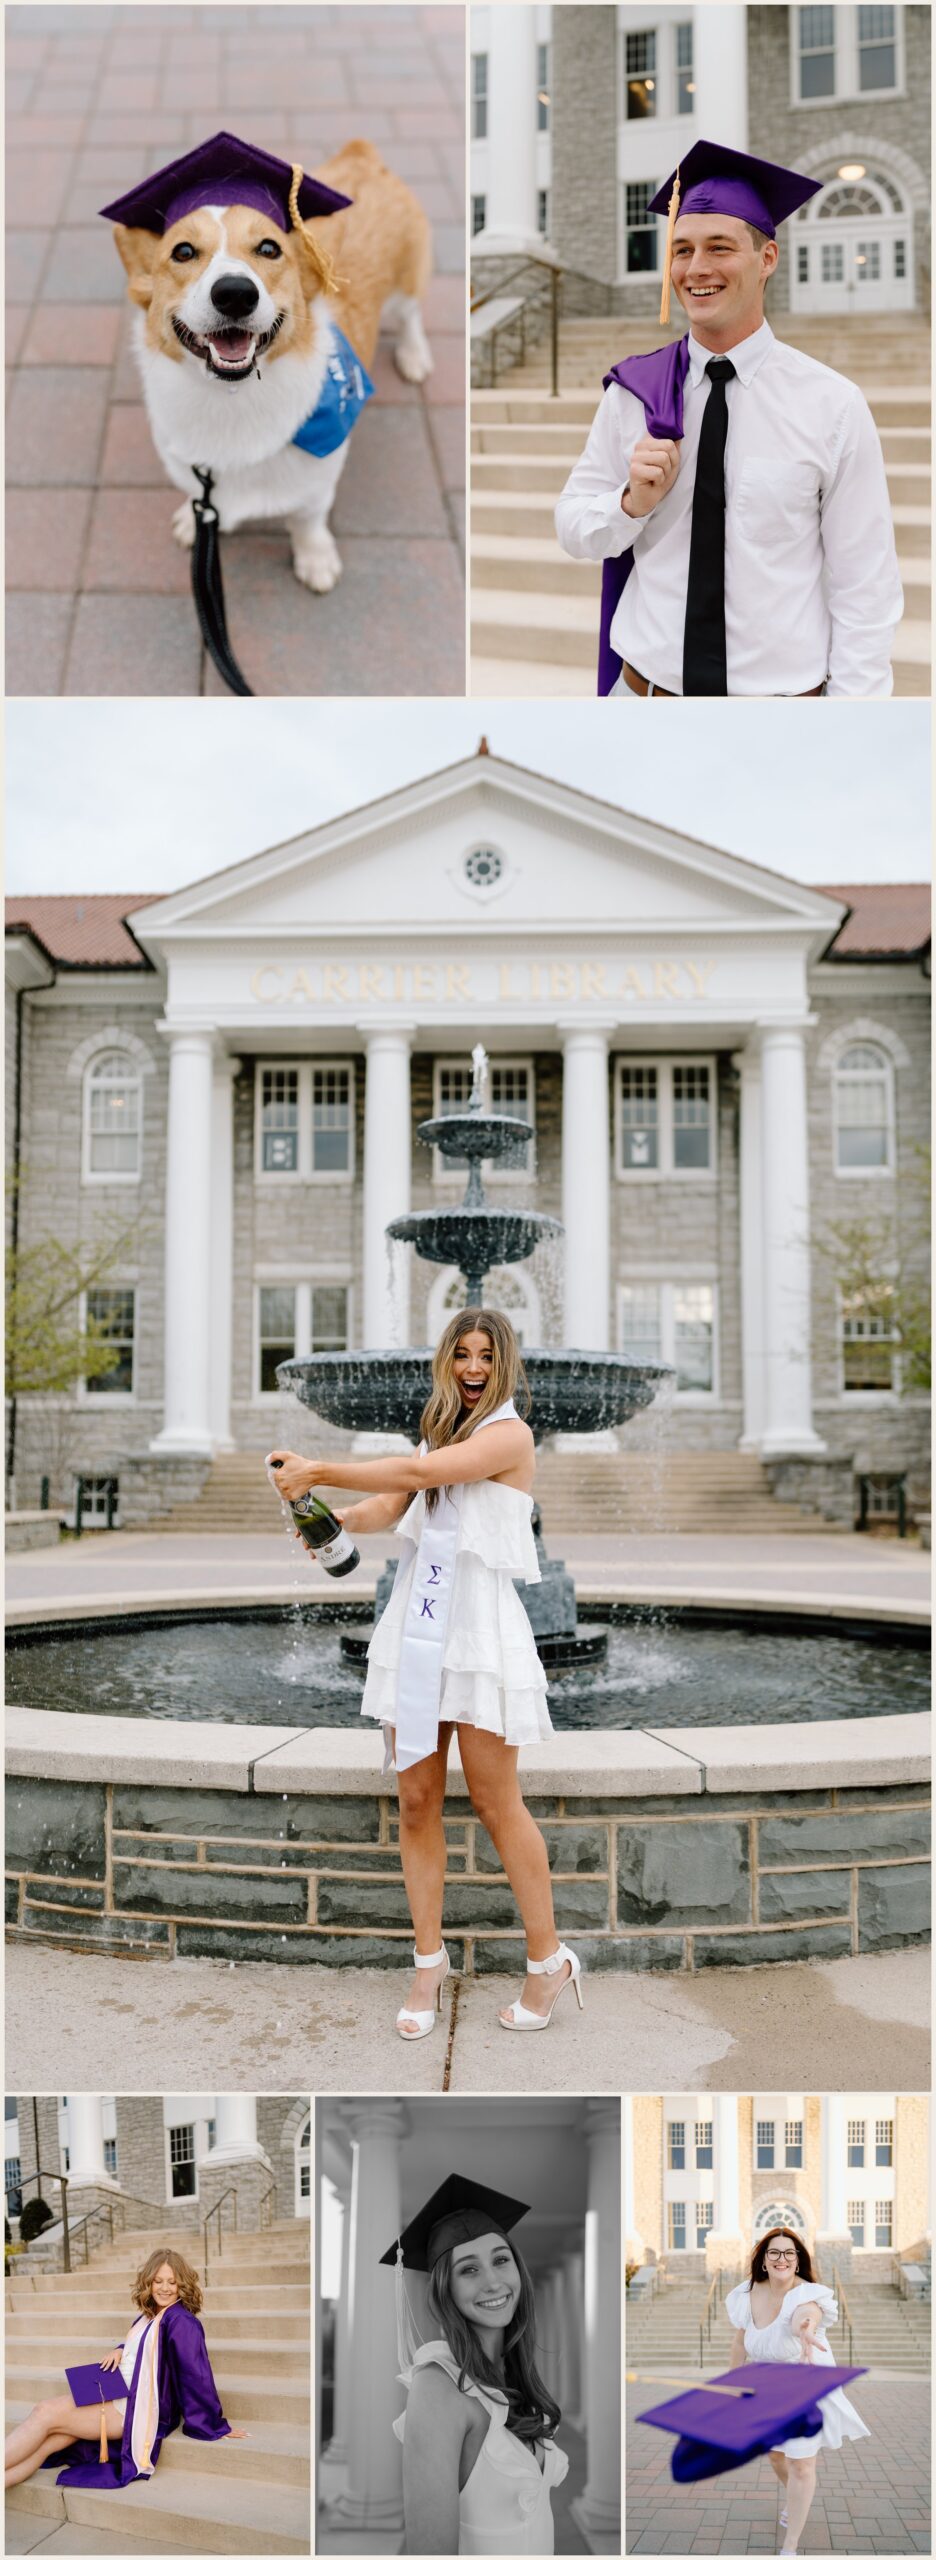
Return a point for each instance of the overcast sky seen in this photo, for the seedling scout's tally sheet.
(147, 795)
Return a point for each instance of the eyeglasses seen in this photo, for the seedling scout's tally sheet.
(779, 2257)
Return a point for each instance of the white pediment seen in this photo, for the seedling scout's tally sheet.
(488, 849)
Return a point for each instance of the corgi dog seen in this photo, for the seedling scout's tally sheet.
(242, 329)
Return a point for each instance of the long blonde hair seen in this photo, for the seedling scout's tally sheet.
(443, 1418)
(190, 2292)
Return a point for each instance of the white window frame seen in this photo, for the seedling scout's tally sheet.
(543, 81)
(884, 2217)
(861, 1396)
(106, 1399)
(305, 1069)
(668, 1282)
(767, 2168)
(303, 1282)
(845, 76)
(666, 1170)
(478, 211)
(704, 2220)
(100, 1475)
(677, 2220)
(865, 1172)
(168, 2130)
(448, 1174)
(856, 2220)
(654, 30)
(89, 1174)
(479, 92)
(302, 2152)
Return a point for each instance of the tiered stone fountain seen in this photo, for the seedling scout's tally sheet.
(579, 1391)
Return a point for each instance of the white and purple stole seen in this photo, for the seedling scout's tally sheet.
(419, 1680)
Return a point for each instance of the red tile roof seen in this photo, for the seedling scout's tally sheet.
(888, 917)
(83, 933)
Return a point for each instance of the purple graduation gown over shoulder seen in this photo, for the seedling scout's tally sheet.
(187, 2398)
(658, 380)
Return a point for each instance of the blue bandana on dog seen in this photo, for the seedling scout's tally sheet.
(344, 393)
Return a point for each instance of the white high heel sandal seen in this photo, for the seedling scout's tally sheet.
(534, 2019)
(413, 2023)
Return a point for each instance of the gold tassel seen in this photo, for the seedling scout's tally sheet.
(672, 215)
(325, 271)
(104, 2455)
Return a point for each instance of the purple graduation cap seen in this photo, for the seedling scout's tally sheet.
(224, 171)
(742, 2413)
(459, 2210)
(713, 179)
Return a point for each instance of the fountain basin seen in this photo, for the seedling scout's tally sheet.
(387, 1390)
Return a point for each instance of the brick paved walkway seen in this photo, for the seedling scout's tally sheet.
(99, 597)
(872, 2496)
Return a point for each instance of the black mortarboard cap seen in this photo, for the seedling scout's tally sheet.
(767, 2402)
(222, 170)
(459, 2210)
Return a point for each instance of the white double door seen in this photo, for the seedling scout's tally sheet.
(856, 264)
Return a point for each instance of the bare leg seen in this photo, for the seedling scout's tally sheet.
(801, 2490)
(51, 2425)
(316, 557)
(490, 1768)
(780, 2465)
(421, 1793)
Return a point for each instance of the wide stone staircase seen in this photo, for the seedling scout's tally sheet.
(670, 2332)
(717, 1493)
(535, 612)
(250, 2495)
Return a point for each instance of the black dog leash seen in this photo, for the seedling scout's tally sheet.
(207, 587)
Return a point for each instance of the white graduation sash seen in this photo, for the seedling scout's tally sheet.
(146, 2411)
(419, 1679)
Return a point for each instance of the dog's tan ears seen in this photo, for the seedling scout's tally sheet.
(139, 251)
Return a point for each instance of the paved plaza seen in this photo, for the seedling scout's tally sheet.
(99, 599)
(872, 2496)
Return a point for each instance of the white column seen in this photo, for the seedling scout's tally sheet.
(573, 2296)
(388, 1140)
(788, 1424)
(598, 2511)
(727, 2226)
(373, 2499)
(511, 155)
(632, 2241)
(338, 2448)
(235, 2130)
(86, 2143)
(834, 2119)
(189, 1315)
(586, 1184)
(222, 1247)
(748, 1064)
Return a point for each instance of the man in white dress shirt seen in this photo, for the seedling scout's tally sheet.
(748, 551)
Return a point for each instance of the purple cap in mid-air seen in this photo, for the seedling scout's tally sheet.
(741, 2413)
(221, 171)
(713, 179)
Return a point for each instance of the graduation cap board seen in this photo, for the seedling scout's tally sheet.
(459, 2210)
(730, 2420)
(88, 2384)
(714, 179)
(221, 171)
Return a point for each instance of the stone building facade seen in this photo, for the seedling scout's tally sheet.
(165, 2163)
(841, 93)
(218, 1104)
(706, 2176)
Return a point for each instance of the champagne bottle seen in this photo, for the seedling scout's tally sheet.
(321, 1531)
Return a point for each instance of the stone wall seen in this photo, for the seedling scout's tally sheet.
(316, 1878)
(279, 2120)
(583, 191)
(900, 126)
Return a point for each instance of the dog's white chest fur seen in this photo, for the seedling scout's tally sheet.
(242, 431)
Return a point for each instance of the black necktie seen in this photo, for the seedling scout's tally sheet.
(704, 656)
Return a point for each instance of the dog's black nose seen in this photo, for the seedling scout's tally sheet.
(235, 296)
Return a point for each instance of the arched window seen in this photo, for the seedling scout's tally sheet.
(113, 1119)
(303, 2160)
(863, 1110)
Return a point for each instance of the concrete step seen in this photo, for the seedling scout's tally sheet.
(61, 2320)
(29, 2367)
(224, 2271)
(564, 628)
(244, 2396)
(898, 408)
(191, 2515)
(270, 2452)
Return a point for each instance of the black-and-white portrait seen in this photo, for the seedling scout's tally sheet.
(468, 2324)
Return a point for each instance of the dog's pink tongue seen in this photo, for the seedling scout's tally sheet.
(233, 347)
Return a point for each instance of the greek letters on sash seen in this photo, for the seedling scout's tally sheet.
(419, 1680)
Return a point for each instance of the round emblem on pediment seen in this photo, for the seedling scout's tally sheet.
(483, 867)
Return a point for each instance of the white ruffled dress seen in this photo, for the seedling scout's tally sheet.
(777, 2344)
(492, 1675)
(505, 2505)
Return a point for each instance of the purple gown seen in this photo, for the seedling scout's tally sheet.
(187, 2398)
(658, 379)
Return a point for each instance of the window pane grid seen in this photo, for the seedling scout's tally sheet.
(640, 73)
(280, 1119)
(110, 1318)
(640, 1119)
(479, 96)
(693, 1334)
(817, 52)
(692, 1113)
(331, 1119)
(329, 1318)
(181, 2142)
(114, 1116)
(277, 1334)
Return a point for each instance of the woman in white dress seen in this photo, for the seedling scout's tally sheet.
(779, 2317)
(455, 1646)
(479, 2457)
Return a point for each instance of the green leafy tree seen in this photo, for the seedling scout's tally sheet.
(881, 1268)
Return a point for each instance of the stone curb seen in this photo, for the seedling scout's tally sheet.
(695, 1597)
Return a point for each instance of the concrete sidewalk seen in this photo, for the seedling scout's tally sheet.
(834, 1569)
(873, 2495)
(332, 2031)
(99, 599)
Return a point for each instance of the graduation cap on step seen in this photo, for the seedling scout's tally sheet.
(713, 179)
(225, 171)
(730, 2420)
(459, 2210)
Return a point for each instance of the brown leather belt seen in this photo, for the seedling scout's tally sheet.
(640, 684)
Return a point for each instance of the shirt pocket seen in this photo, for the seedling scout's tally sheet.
(777, 502)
